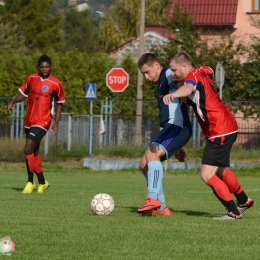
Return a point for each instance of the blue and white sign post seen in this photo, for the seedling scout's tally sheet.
(91, 91)
(90, 94)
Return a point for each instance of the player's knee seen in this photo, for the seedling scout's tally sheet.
(203, 178)
(206, 176)
(142, 167)
(28, 150)
(31, 147)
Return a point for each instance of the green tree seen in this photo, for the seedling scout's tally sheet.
(57, 6)
(188, 39)
(30, 17)
(80, 31)
(122, 21)
(14, 70)
(10, 40)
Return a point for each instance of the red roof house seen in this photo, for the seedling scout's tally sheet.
(208, 12)
(216, 17)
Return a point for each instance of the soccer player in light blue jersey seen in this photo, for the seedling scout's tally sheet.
(174, 134)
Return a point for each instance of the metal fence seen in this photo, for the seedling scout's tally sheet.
(113, 123)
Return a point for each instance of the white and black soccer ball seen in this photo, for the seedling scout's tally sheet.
(102, 204)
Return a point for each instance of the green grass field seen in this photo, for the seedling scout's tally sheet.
(60, 225)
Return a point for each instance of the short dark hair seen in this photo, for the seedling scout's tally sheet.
(44, 58)
(179, 57)
(149, 59)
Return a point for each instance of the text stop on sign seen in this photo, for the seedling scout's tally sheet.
(117, 79)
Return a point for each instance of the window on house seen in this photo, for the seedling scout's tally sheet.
(256, 5)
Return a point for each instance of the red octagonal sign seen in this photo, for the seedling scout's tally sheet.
(117, 79)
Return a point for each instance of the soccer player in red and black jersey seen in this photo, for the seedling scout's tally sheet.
(219, 127)
(43, 90)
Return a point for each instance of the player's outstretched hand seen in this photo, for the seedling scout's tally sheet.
(180, 155)
(167, 99)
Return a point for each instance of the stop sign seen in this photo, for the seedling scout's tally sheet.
(117, 79)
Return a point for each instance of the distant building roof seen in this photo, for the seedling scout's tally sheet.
(160, 30)
(208, 12)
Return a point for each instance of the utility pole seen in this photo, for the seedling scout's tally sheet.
(139, 96)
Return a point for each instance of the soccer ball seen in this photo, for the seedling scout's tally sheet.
(7, 246)
(102, 204)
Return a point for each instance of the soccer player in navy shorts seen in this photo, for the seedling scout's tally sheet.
(43, 90)
(220, 130)
(174, 134)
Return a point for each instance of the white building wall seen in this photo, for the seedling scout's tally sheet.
(151, 40)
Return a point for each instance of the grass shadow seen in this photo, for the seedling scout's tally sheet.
(192, 213)
(17, 189)
(12, 188)
(186, 212)
(134, 210)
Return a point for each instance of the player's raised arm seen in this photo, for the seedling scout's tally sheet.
(183, 91)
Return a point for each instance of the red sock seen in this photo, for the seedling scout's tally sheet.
(30, 162)
(220, 189)
(230, 179)
(37, 164)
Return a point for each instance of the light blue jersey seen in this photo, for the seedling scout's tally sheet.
(173, 113)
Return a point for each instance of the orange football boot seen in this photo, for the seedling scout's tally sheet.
(149, 204)
(165, 212)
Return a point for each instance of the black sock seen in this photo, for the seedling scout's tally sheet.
(30, 174)
(233, 208)
(241, 198)
(30, 177)
(40, 177)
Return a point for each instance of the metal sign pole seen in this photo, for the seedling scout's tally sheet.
(91, 93)
(90, 127)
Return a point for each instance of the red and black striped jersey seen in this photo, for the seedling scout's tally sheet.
(41, 94)
(212, 114)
